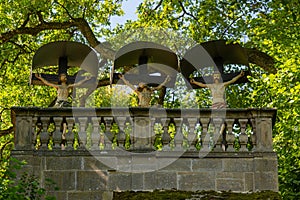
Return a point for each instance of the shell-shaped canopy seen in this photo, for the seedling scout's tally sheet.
(77, 54)
(144, 59)
(212, 54)
(229, 53)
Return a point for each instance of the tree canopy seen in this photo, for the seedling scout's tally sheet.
(270, 26)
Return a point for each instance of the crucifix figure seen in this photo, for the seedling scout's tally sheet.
(62, 97)
(217, 88)
(143, 91)
(62, 89)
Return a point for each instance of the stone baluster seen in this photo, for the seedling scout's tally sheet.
(218, 134)
(192, 136)
(108, 133)
(243, 136)
(82, 132)
(57, 135)
(210, 132)
(168, 130)
(128, 133)
(205, 137)
(178, 136)
(95, 135)
(44, 135)
(152, 122)
(70, 136)
(121, 135)
(230, 137)
(35, 131)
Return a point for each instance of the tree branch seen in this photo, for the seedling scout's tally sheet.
(159, 4)
(187, 13)
(80, 23)
(5, 37)
(3, 147)
(40, 16)
(65, 9)
(86, 30)
(6, 131)
(26, 20)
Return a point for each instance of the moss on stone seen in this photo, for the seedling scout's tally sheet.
(186, 195)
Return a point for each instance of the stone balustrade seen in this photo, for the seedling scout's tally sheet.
(143, 129)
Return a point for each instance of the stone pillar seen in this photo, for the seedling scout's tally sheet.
(264, 128)
(142, 133)
(23, 129)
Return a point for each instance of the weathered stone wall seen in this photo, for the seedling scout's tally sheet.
(82, 174)
(90, 172)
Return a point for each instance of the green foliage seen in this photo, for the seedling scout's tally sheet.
(25, 187)
(270, 26)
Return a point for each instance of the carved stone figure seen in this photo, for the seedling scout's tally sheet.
(143, 91)
(217, 89)
(62, 97)
(62, 89)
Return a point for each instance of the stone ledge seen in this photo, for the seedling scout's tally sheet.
(123, 153)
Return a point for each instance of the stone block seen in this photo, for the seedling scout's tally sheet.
(175, 164)
(137, 181)
(98, 195)
(249, 181)
(206, 164)
(63, 163)
(192, 181)
(144, 163)
(150, 181)
(58, 195)
(230, 184)
(91, 180)
(119, 181)
(33, 164)
(124, 164)
(230, 175)
(64, 180)
(234, 181)
(166, 180)
(100, 163)
(238, 165)
(266, 181)
(265, 164)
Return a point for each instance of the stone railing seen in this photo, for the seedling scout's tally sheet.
(143, 129)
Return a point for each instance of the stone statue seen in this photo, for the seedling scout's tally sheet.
(62, 97)
(62, 89)
(143, 91)
(218, 89)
